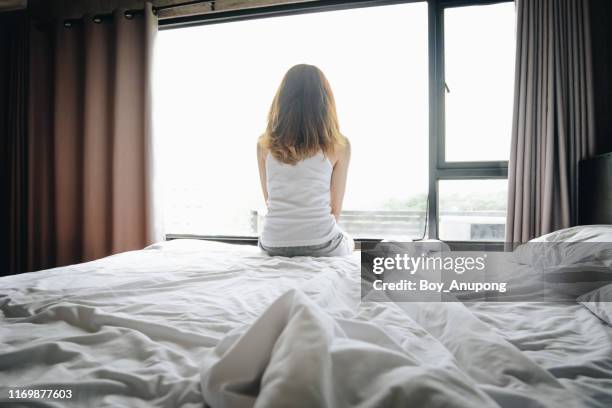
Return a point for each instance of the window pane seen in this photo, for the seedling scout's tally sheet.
(472, 210)
(479, 47)
(214, 86)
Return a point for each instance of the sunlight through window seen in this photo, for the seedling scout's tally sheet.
(214, 86)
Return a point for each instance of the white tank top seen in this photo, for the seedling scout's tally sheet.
(299, 208)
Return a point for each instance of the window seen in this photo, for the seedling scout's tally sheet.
(475, 97)
(215, 83)
(424, 92)
(479, 74)
(472, 210)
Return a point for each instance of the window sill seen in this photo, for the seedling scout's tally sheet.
(252, 240)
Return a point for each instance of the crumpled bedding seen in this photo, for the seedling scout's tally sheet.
(186, 322)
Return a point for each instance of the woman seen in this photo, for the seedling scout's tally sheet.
(303, 163)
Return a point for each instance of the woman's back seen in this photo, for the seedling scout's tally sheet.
(303, 163)
(299, 208)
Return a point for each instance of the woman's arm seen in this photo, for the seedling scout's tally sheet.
(338, 179)
(261, 163)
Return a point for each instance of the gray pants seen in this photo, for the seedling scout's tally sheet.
(341, 245)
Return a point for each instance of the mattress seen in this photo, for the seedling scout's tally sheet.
(187, 323)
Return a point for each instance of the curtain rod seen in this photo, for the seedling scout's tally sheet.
(129, 14)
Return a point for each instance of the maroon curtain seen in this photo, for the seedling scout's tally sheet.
(88, 141)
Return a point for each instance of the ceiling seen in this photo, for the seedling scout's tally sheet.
(76, 8)
(8, 5)
(219, 5)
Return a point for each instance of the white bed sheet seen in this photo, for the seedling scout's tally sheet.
(566, 339)
(136, 329)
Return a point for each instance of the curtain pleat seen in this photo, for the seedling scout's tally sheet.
(68, 134)
(13, 139)
(97, 139)
(553, 127)
(41, 245)
(129, 194)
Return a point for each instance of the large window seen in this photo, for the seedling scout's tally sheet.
(475, 100)
(214, 84)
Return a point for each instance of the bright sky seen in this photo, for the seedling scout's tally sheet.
(214, 85)
(479, 44)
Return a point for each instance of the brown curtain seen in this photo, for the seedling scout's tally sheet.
(88, 115)
(553, 116)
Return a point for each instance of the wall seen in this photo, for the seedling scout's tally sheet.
(601, 28)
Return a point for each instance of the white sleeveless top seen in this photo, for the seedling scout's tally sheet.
(299, 203)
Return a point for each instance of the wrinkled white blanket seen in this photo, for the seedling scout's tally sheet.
(297, 355)
(185, 322)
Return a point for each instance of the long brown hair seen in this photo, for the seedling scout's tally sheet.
(302, 120)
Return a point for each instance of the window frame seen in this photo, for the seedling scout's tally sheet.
(439, 168)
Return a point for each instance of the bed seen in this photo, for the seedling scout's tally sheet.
(190, 323)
